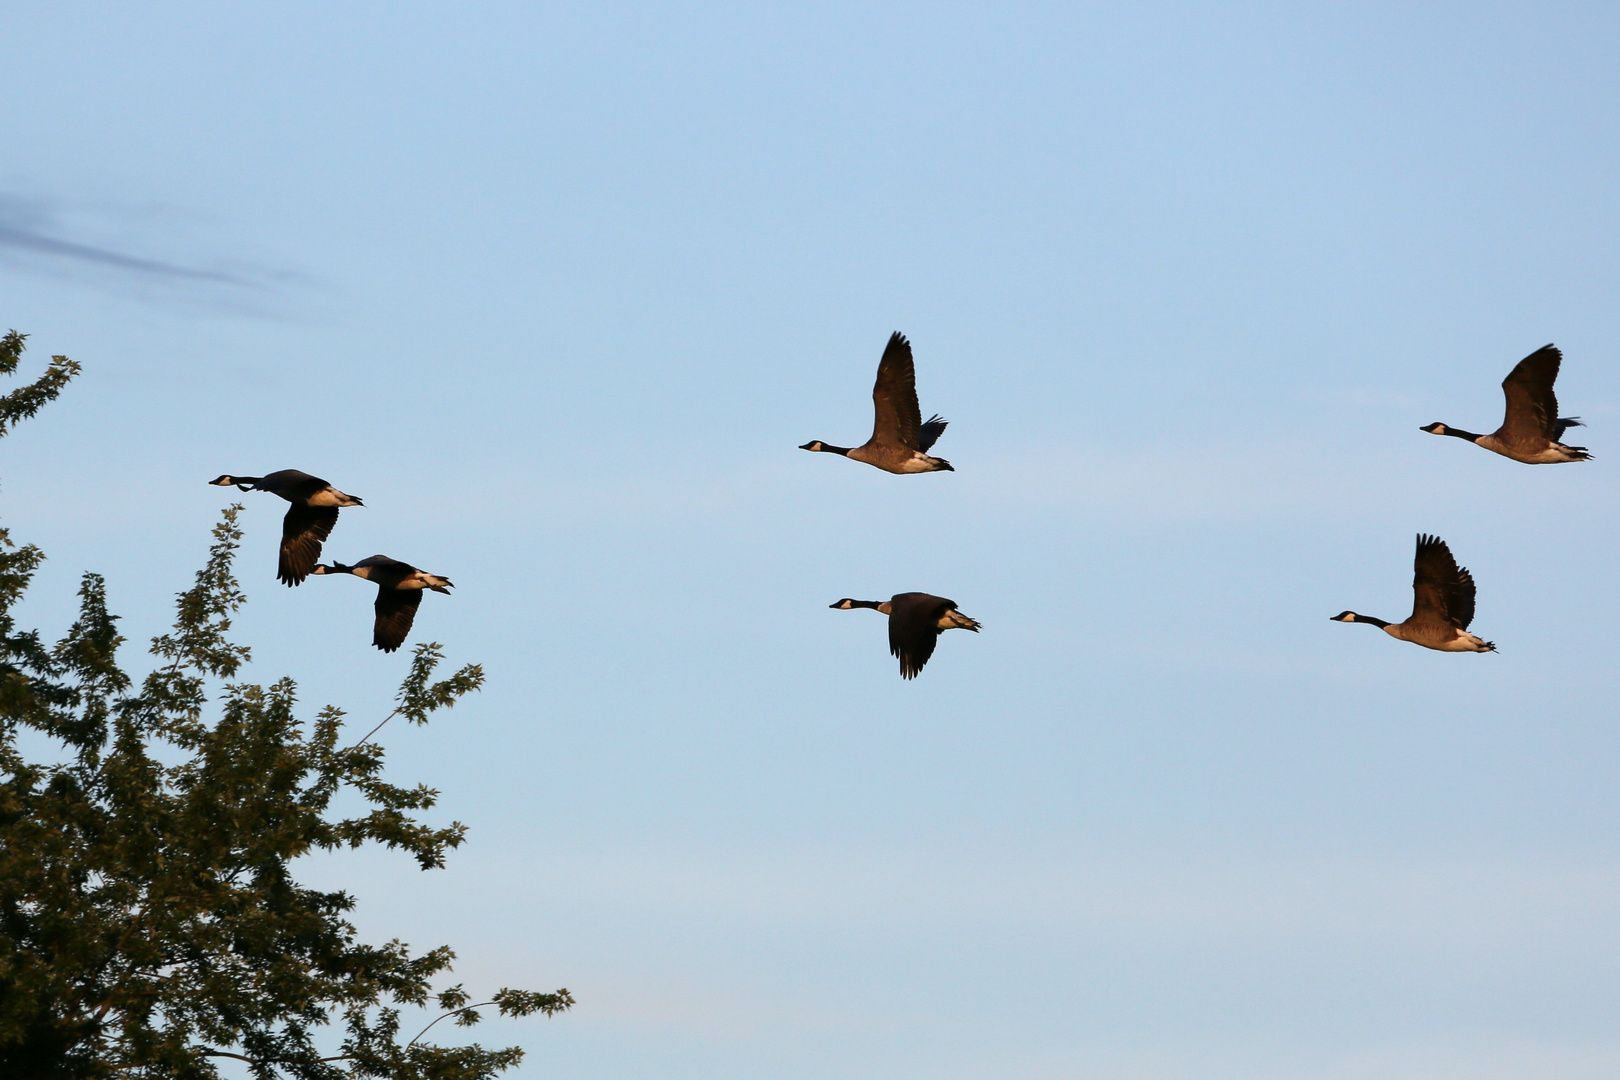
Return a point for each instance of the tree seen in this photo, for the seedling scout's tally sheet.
(150, 924)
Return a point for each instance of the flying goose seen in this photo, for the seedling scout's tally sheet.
(916, 620)
(309, 519)
(1442, 603)
(900, 440)
(399, 594)
(1532, 428)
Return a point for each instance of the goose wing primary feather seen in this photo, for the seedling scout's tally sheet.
(396, 610)
(930, 433)
(1442, 591)
(898, 420)
(1532, 407)
(302, 532)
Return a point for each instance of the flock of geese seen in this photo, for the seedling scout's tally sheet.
(1531, 432)
(309, 521)
(1443, 592)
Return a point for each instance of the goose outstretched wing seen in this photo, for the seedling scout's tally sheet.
(898, 419)
(302, 531)
(1441, 590)
(1532, 407)
(914, 629)
(396, 610)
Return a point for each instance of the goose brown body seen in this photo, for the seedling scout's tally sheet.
(309, 519)
(399, 594)
(916, 620)
(900, 437)
(1442, 603)
(1531, 431)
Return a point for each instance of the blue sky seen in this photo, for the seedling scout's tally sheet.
(559, 291)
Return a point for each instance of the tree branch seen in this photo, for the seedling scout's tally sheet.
(374, 730)
(452, 1012)
(210, 1052)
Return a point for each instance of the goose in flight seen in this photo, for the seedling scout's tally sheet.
(1442, 603)
(1532, 428)
(916, 620)
(399, 594)
(309, 519)
(900, 439)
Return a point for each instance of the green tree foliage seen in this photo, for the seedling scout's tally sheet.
(150, 925)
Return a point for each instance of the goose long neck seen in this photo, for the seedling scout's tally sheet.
(1459, 433)
(1371, 620)
(875, 605)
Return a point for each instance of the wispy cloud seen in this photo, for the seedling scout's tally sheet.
(32, 241)
(120, 249)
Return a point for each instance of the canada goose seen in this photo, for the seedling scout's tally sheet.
(900, 440)
(309, 519)
(1532, 428)
(399, 593)
(916, 620)
(1442, 603)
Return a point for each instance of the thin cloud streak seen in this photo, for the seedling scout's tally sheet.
(11, 236)
(36, 238)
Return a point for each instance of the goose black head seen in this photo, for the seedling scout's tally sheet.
(846, 603)
(245, 483)
(1370, 620)
(1435, 428)
(335, 568)
(813, 444)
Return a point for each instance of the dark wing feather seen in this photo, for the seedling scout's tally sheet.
(1532, 407)
(302, 531)
(898, 420)
(1460, 601)
(1563, 425)
(914, 629)
(1442, 591)
(396, 610)
(931, 431)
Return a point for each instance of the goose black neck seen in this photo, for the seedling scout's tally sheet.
(873, 604)
(1371, 620)
(1459, 433)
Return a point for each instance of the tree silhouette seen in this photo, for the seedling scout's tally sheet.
(150, 925)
